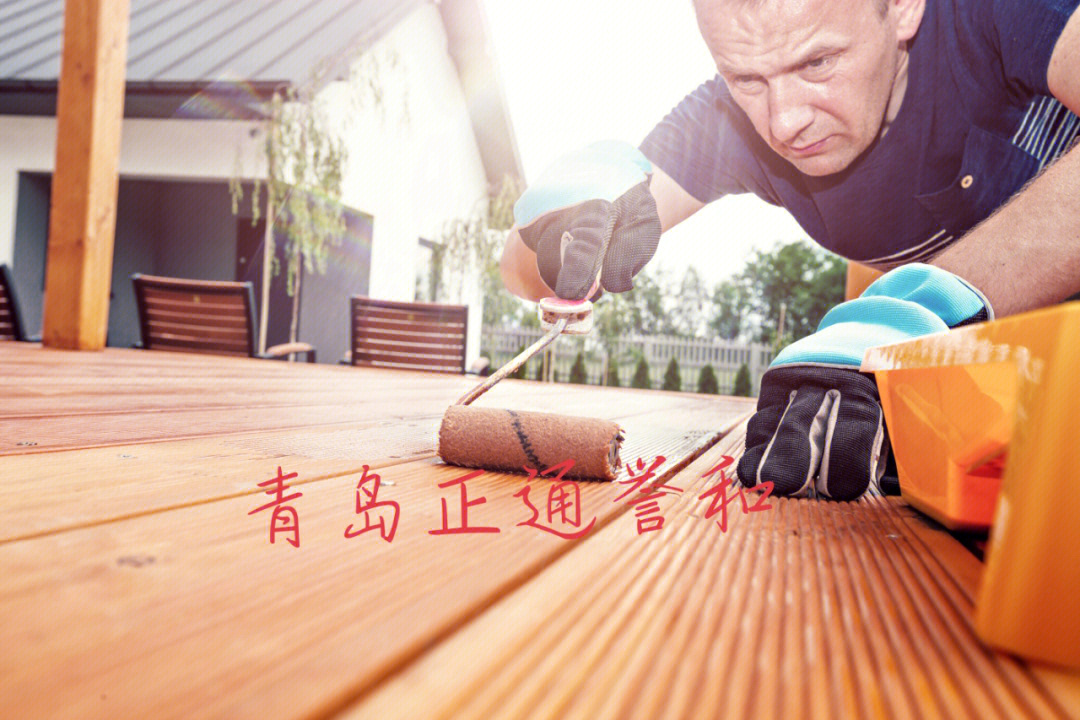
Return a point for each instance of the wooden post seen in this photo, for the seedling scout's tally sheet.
(82, 219)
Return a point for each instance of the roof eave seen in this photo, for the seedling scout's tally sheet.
(153, 99)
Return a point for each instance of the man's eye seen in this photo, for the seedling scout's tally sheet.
(820, 64)
(746, 82)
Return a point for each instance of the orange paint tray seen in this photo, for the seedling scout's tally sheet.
(983, 424)
(950, 429)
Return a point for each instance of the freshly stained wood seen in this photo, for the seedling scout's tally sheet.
(335, 420)
(136, 582)
(107, 392)
(809, 609)
(307, 628)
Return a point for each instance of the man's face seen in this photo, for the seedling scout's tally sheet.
(819, 79)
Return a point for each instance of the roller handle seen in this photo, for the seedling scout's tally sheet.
(556, 316)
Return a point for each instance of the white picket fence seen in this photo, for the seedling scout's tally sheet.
(725, 356)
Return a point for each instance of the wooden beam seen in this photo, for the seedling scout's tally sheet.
(82, 219)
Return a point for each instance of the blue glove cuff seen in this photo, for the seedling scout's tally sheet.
(602, 171)
(946, 295)
(905, 303)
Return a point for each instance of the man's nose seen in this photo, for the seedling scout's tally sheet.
(790, 111)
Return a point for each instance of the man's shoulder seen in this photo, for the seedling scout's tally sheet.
(1004, 43)
(713, 95)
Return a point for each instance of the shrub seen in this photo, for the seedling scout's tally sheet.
(672, 379)
(742, 381)
(612, 379)
(641, 376)
(577, 371)
(707, 381)
(521, 373)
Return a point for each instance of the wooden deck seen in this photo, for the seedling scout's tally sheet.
(134, 582)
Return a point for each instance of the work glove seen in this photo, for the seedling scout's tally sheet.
(819, 424)
(591, 213)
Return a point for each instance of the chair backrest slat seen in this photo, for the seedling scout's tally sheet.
(414, 336)
(196, 315)
(10, 321)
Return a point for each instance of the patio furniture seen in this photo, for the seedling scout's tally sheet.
(408, 335)
(11, 326)
(203, 316)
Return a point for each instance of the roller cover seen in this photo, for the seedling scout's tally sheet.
(495, 439)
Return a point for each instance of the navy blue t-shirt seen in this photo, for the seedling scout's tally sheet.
(976, 123)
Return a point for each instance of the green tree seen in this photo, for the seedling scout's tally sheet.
(801, 276)
(641, 376)
(690, 306)
(742, 381)
(501, 307)
(730, 302)
(577, 370)
(640, 310)
(619, 315)
(474, 245)
(672, 379)
(707, 382)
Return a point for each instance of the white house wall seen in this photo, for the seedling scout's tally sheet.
(414, 163)
(164, 149)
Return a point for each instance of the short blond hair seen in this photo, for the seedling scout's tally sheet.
(882, 5)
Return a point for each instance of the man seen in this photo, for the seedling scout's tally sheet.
(907, 135)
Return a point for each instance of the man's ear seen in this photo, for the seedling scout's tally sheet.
(908, 15)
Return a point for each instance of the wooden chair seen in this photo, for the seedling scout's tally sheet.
(11, 326)
(204, 316)
(408, 335)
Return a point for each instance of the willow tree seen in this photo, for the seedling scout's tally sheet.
(305, 159)
(304, 166)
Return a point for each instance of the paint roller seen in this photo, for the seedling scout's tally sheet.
(511, 440)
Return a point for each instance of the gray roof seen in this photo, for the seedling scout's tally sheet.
(204, 40)
(233, 53)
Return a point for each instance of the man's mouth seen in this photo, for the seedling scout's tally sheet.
(808, 149)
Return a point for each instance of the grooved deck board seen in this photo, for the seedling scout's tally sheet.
(811, 609)
(235, 627)
(123, 396)
(134, 583)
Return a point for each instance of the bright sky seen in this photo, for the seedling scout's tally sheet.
(576, 71)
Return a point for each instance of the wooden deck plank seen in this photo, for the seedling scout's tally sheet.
(110, 406)
(192, 611)
(347, 418)
(136, 584)
(49, 492)
(813, 609)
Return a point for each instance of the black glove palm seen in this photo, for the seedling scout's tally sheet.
(819, 422)
(591, 214)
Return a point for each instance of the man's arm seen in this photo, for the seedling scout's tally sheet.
(518, 264)
(1027, 255)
